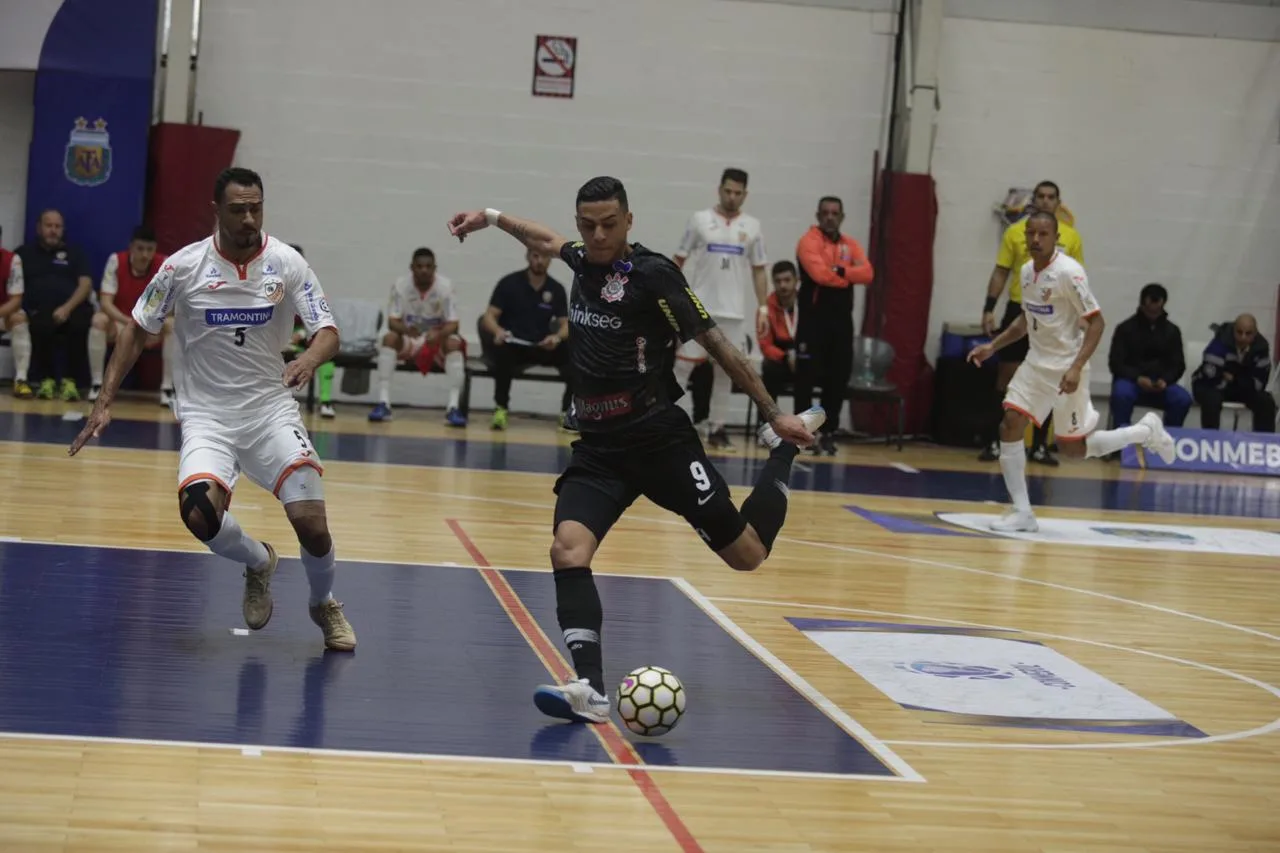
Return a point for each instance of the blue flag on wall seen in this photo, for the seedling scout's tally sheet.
(93, 106)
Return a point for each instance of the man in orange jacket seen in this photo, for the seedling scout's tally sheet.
(831, 263)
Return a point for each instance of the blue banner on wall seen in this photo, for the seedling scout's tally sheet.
(93, 106)
(1213, 451)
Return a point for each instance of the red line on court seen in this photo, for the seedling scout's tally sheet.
(614, 743)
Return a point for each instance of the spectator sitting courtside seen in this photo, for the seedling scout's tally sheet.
(55, 297)
(1146, 362)
(1236, 368)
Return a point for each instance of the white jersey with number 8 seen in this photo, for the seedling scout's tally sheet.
(232, 321)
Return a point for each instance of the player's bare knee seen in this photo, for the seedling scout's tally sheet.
(1012, 426)
(101, 322)
(748, 560)
(391, 340)
(572, 546)
(1071, 449)
(202, 505)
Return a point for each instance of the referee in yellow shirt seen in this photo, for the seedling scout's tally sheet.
(1013, 254)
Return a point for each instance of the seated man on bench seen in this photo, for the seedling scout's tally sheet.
(527, 322)
(423, 320)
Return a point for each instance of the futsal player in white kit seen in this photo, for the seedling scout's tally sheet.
(1055, 376)
(233, 297)
(422, 322)
(722, 253)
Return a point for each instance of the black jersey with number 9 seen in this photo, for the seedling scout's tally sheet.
(625, 321)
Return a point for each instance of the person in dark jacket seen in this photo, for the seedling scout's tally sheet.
(1236, 368)
(1146, 362)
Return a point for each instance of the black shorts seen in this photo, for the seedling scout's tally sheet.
(661, 458)
(1016, 352)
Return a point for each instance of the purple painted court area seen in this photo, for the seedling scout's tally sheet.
(140, 644)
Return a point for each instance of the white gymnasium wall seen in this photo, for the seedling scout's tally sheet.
(1166, 148)
(16, 91)
(373, 122)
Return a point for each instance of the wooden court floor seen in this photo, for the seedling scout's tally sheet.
(1058, 696)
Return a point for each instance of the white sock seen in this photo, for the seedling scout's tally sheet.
(386, 367)
(20, 343)
(721, 387)
(320, 574)
(236, 545)
(1013, 465)
(1108, 441)
(169, 355)
(455, 372)
(97, 354)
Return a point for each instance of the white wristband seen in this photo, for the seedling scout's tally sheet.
(764, 310)
(491, 215)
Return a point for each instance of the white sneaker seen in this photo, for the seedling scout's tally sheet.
(577, 701)
(1016, 521)
(166, 397)
(94, 392)
(326, 411)
(1160, 441)
(813, 418)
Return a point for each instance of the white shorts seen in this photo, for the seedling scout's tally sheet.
(691, 350)
(410, 347)
(1034, 392)
(267, 451)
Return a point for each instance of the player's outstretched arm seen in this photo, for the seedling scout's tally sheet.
(789, 427)
(533, 235)
(324, 346)
(1016, 331)
(129, 346)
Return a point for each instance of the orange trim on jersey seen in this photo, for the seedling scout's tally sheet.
(691, 360)
(301, 463)
(1022, 411)
(1035, 274)
(242, 270)
(1061, 437)
(205, 475)
(1091, 313)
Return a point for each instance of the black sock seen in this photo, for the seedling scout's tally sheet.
(580, 615)
(765, 509)
(1040, 436)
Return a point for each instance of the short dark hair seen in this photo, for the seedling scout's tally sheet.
(1154, 292)
(830, 198)
(1056, 191)
(603, 188)
(422, 252)
(235, 175)
(49, 210)
(784, 266)
(736, 175)
(1044, 214)
(144, 233)
(296, 248)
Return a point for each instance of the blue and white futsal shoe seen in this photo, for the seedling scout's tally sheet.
(576, 700)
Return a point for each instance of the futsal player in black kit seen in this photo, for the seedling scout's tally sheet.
(629, 309)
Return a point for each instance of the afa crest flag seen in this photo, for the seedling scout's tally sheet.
(93, 107)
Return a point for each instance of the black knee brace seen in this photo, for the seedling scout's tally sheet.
(196, 497)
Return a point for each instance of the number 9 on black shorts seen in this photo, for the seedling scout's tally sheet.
(660, 458)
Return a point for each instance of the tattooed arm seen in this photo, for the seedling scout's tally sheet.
(740, 370)
(532, 234)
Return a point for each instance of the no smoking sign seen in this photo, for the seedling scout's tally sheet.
(555, 59)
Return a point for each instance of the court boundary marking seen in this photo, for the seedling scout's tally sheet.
(252, 749)
(848, 549)
(620, 750)
(1266, 728)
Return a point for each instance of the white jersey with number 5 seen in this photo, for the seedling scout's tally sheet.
(232, 322)
(723, 253)
(1055, 300)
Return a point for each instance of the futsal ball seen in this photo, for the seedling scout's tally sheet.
(650, 701)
